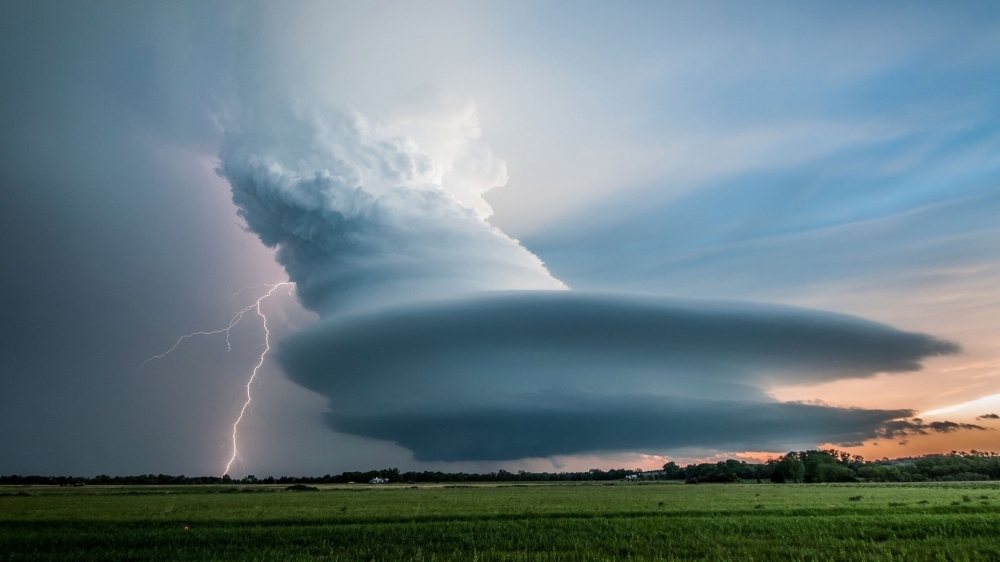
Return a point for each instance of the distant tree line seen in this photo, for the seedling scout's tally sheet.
(797, 466)
(838, 466)
(389, 475)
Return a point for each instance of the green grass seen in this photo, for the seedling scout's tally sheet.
(593, 521)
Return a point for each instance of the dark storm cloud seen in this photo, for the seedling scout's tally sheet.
(568, 424)
(513, 374)
(902, 427)
(731, 341)
(110, 240)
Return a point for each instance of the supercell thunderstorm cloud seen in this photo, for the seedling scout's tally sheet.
(442, 334)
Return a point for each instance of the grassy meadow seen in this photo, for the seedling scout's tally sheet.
(581, 521)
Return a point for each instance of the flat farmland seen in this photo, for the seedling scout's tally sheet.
(565, 521)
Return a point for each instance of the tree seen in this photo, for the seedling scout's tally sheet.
(878, 473)
(672, 472)
(834, 473)
(789, 469)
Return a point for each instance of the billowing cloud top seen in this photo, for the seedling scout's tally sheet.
(364, 218)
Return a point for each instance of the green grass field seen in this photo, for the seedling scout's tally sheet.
(593, 521)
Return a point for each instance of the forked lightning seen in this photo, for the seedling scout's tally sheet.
(232, 324)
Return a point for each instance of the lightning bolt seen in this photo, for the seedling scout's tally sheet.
(253, 375)
(232, 324)
(272, 287)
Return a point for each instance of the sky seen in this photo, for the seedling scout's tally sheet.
(540, 236)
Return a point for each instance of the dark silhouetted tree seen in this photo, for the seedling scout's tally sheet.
(789, 469)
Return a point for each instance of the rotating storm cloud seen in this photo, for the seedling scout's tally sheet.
(440, 333)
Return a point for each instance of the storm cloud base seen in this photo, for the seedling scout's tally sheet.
(511, 375)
